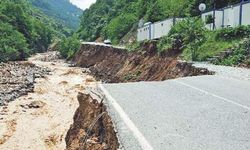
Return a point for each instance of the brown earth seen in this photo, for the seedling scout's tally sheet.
(112, 64)
(41, 119)
(92, 128)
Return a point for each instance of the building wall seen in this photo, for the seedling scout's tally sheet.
(143, 33)
(226, 17)
(162, 28)
(228, 14)
(232, 16)
(236, 16)
(246, 14)
(218, 19)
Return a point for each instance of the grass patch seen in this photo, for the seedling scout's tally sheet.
(215, 44)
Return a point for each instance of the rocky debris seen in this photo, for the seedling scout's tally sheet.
(51, 56)
(34, 104)
(17, 79)
(114, 64)
(92, 128)
(54, 46)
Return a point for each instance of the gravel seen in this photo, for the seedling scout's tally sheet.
(17, 79)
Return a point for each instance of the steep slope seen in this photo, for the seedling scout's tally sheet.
(114, 64)
(61, 10)
(25, 30)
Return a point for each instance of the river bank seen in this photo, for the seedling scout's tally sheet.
(41, 119)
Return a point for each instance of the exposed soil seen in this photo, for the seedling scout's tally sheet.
(112, 64)
(40, 120)
(92, 128)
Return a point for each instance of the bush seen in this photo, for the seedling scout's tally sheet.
(209, 19)
(119, 26)
(233, 33)
(13, 45)
(188, 35)
(68, 46)
(238, 55)
(175, 41)
(135, 46)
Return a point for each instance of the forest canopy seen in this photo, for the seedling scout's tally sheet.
(25, 30)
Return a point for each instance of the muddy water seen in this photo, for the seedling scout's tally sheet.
(40, 120)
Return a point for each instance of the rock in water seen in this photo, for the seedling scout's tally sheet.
(17, 79)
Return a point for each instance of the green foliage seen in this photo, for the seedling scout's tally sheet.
(221, 40)
(211, 46)
(238, 55)
(24, 30)
(101, 19)
(163, 9)
(13, 44)
(135, 46)
(174, 41)
(41, 38)
(68, 46)
(104, 18)
(209, 19)
(233, 33)
(119, 26)
(61, 10)
(191, 32)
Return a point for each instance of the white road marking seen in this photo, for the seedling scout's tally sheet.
(145, 145)
(214, 95)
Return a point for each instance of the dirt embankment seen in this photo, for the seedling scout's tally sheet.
(92, 128)
(17, 79)
(112, 64)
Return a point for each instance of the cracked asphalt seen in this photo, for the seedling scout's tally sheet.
(193, 113)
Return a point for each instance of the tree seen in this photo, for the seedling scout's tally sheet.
(68, 46)
(192, 32)
(13, 45)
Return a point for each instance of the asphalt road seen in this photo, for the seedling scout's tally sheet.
(194, 113)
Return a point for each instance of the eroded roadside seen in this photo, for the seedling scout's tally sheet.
(41, 119)
(92, 128)
(61, 114)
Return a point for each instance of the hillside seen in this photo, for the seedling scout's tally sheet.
(61, 10)
(25, 30)
(118, 21)
(114, 19)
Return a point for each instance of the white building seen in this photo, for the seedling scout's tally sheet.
(217, 15)
(246, 14)
(231, 16)
(155, 30)
(161, 28)
(145, 32)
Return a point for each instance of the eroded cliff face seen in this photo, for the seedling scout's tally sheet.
(111, 64)
(92, 128)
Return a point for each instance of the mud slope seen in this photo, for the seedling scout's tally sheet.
(112, 64)
(92, 128)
